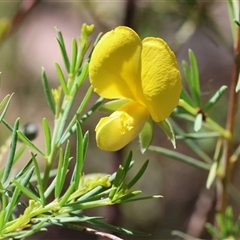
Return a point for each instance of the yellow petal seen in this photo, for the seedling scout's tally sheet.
(121, 127)
(115, 66)
(161, 79)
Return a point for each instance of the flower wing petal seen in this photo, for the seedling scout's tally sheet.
(121, 127)
(161, 79)
(115, 66)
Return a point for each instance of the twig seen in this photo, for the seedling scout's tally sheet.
(102, 234)
(227, 164)
(25, 8)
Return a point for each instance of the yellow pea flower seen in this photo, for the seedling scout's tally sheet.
(144, 72)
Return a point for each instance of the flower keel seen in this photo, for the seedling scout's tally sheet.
(121, 127)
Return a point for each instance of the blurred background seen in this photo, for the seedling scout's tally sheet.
(202, 26)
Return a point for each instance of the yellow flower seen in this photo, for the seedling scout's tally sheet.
(144, 72)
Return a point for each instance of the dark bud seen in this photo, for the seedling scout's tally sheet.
(30, 130)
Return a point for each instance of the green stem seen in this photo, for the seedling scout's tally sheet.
(225, 133)
(215, 126)
(187, 107)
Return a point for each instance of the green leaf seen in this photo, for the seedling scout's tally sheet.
(235, 155)
(61, 78)
(142, 198)
(11, 153)
(19, 152)
(221, 223)
(120, 176)
(66, 219)
(237, 23)
(146, 135)
(72, 125)
(8, 99)
(82, 76)
(58, 187)
(201, 135)
(195, 86)
(127, 197)
(229, 220)
(2, 213)
(187, 73)
(47, 135)
(72, 129)
(198, 122)
(194, 147)
(184, 235)
(48, 92)
(62, 170)
(7, 125)
(74, 56)
(115, 228)
(39, 180)
(216, 97)
(185, 96)
(128, 164)
(92, 110)
(51, 187)
(17, 193)
(113, 105)
(25, 191)
(11, 205)
(79, 157)
(63, 50)
(26, 233)
(85, 144)
(138, 175)
(167, 128)
(212, 175)
(24, 139)
(4, 101)
(214, 232)
(118, 181)
(84, 101)
(233, 9)
(180, 157)
(24, 169)
(67, 194)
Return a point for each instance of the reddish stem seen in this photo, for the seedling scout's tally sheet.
(227, 164)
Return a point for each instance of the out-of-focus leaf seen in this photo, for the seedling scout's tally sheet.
(195, 86)
(238, 84)
(198, 135)
(185, 96)
(184, 235)
(180, 157)
(233, 9)
(198, 122)
(212, 175)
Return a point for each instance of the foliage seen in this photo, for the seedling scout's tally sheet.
(50, 200)
(59, 195)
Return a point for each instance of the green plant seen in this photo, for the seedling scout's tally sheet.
(52, 199)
